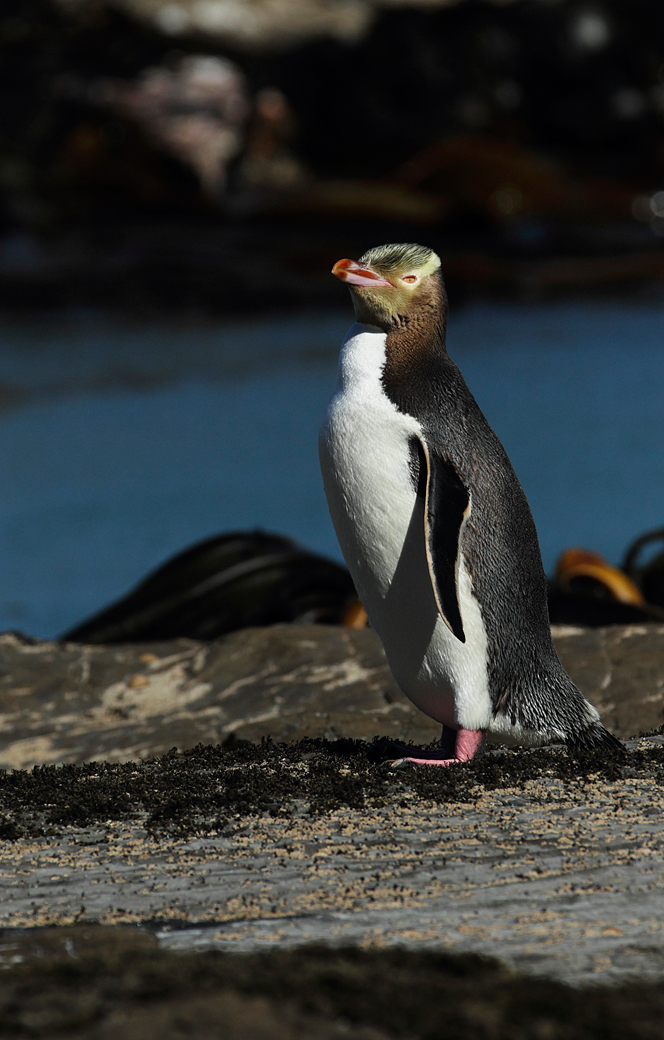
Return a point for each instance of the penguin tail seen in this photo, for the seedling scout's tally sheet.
(594, 737)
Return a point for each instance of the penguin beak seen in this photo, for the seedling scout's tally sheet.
(350, 271)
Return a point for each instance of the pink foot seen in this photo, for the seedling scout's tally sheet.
(461, 745)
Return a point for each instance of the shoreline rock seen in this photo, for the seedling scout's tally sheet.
(67, 703)
(549, 860)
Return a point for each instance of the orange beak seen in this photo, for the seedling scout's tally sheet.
(350, 271)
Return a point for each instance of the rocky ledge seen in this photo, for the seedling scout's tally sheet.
(550, 861)
(71, 703)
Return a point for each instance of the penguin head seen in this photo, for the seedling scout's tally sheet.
(388, 283)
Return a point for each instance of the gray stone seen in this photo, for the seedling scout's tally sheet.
(562, 879)
(78, 703)
(559, 879)
(620, 670)
(70, 703)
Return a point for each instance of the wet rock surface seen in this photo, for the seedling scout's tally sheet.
(551, 862)
(71, 703)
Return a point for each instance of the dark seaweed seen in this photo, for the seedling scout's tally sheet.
(200, 791)
(104, 981)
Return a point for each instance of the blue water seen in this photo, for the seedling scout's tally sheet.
(121, 445)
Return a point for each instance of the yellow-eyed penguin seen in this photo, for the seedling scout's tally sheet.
(435, 527)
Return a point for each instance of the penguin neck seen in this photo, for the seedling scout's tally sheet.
(413, 331)
(415, 343)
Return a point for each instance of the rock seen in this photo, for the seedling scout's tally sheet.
(129, 987)
(550, 861)
(75, 703)
(620, 670)
(71, 703)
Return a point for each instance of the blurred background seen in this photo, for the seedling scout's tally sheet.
(177, 180)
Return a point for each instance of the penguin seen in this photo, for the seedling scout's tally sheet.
(435, 527)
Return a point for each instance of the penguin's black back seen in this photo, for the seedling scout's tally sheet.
(526, 681)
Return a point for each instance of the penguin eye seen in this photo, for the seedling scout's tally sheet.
(410, 278)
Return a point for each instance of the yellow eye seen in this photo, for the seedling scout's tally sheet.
(410, 278)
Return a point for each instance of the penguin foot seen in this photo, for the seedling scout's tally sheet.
(456, 746)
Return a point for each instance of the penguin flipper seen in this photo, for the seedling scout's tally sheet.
(447, 505)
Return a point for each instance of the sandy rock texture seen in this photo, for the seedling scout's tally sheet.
(70, 703)
(553, 863)
(77, 703)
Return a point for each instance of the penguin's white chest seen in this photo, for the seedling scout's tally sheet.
(379, 521)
